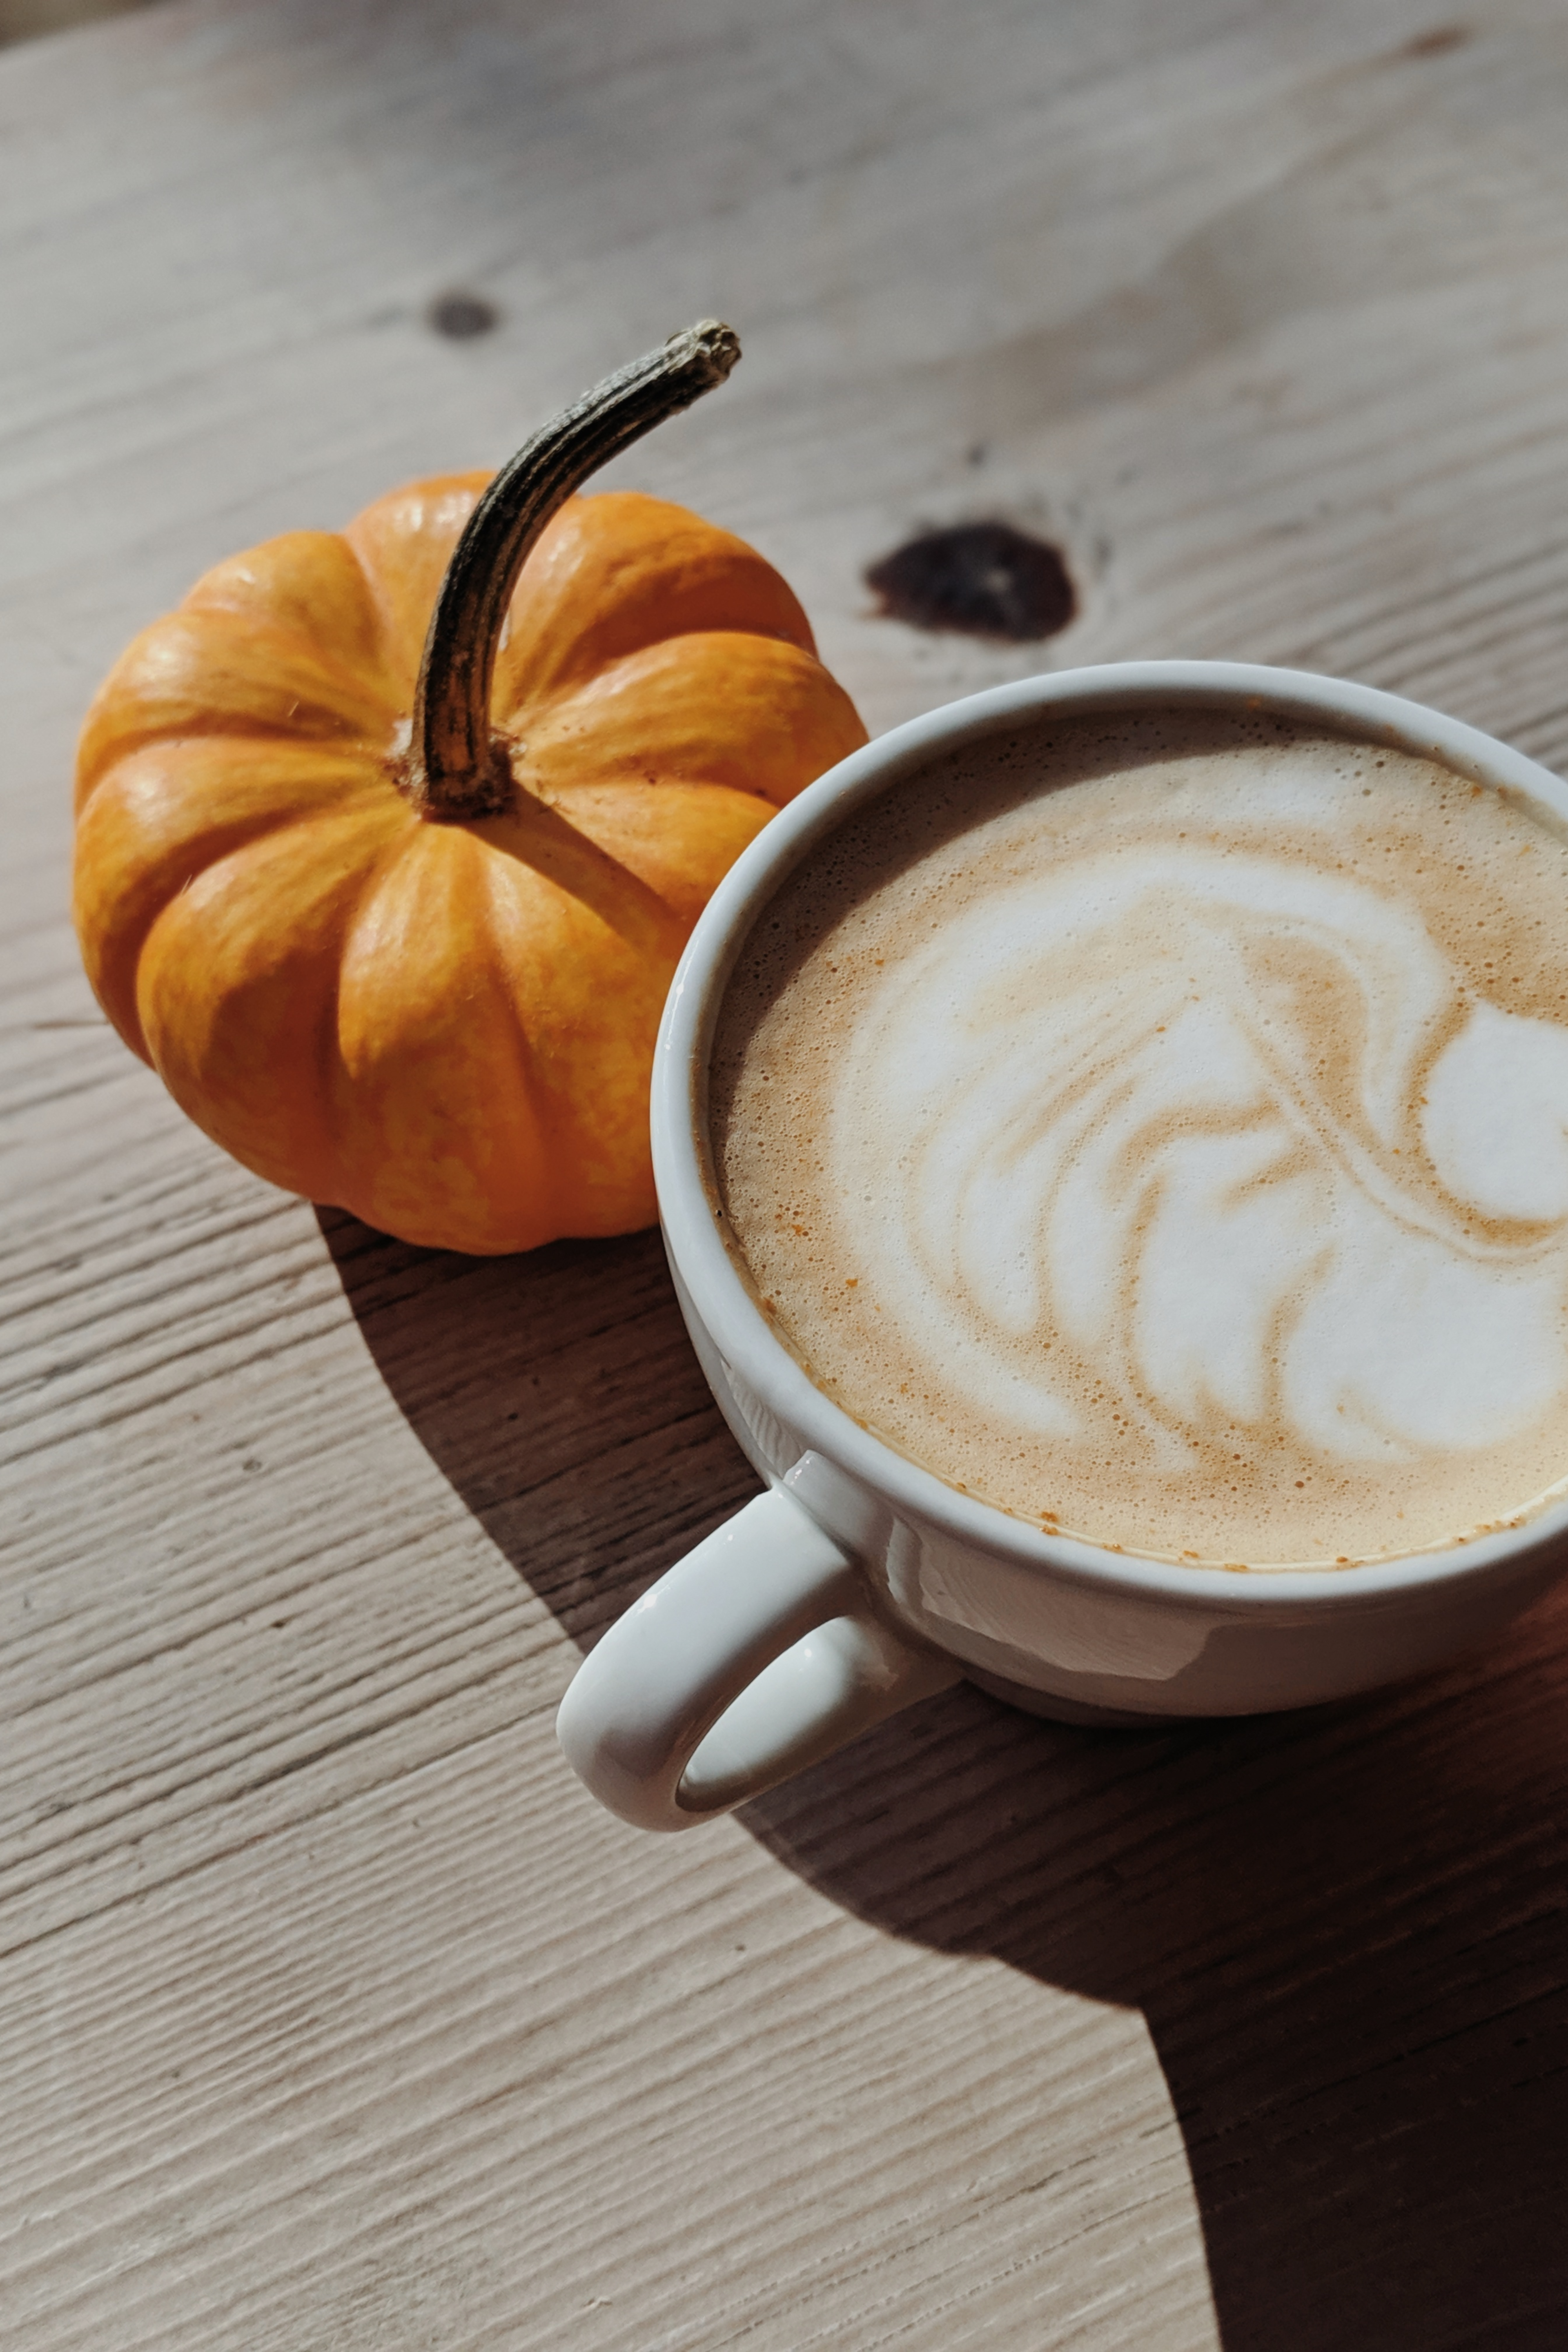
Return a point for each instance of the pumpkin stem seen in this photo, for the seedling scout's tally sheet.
(454, 769)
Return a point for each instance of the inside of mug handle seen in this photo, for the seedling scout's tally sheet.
(755, 1655)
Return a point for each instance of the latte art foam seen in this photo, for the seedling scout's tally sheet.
(1163, 1133)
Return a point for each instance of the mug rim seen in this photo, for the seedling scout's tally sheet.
(687, 1187)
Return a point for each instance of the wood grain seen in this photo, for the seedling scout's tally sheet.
(332, 2011)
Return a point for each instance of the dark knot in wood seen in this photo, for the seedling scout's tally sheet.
(980, 579)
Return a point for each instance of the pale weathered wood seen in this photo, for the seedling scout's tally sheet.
(332, 2011)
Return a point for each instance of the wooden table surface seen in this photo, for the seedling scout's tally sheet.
(332, 2012)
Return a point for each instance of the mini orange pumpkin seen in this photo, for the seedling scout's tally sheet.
(398, 941)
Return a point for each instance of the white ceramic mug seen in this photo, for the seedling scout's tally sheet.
(859, 1582)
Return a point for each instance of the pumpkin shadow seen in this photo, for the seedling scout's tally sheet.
(1347, 1930)
(558, 1393)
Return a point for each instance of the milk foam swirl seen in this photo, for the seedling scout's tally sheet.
(1178, 1154)
(1156, 1160)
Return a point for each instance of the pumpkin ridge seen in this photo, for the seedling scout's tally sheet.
(112, 972)
(530, 1088)
(294, 584)
(201, 1035)
(399, 649)
(359, 680)
(588, 683)
(334, 1077)
(582, 1190)
(484, 1165)
(678, 838)
(618, 571)
(211, 727)
(601, 883)
(149, 697)
(717, 706)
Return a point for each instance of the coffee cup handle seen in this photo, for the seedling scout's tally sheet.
(755, 1656)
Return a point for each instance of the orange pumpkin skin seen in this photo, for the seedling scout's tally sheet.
(445, 1027)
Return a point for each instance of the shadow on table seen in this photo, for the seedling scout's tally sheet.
(1346, 1929)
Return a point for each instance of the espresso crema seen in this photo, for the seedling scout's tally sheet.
(1158, 1128)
